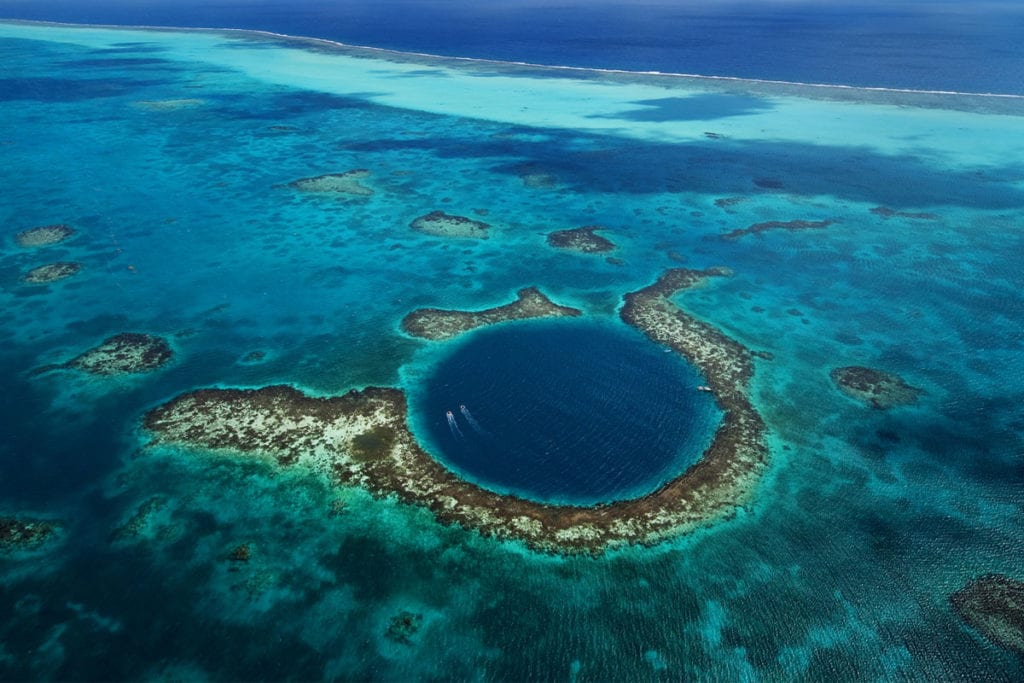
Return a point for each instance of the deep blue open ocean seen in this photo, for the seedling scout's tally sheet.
(878, 224)
(969, 47)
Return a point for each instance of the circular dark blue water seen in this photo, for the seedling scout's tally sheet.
(565, 412)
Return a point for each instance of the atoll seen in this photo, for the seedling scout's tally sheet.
(125, 353)
(776, 225)
(44, 235)
(584, 240)
(873, 387)
(438, 323)
(993, 605)
(20, 533)
(441, 224)
(346, 183)
(52, 272)
(363, 438)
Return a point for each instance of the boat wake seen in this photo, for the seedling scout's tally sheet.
(454, 426)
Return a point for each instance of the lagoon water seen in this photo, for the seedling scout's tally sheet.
(171, 153)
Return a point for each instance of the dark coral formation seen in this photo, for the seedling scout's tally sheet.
(875, 388)
(125, 353)
(729, 202)
(441, 224)
(21, 533)
(240, 553)
(346, 183)
(993, 605)
(363, 438)
(584, 240)
(403, 626)
(777, 225)
(254, 357)
(44, 235)
(438, 323)
(886, 212)
(52, 272)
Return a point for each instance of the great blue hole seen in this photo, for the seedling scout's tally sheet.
(564, 412)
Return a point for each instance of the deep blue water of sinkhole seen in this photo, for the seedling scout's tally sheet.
(565, 412)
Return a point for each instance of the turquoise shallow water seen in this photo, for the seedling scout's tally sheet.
(840, 565)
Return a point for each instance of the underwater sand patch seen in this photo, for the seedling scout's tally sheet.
(777, 225)
(44, 235)
(122, 354)
(25, 533)
(993, 605)
(441, 224)
(438, 323)
(52, 272)
(346, 183)
(873, 387)
(584, 240)
(363, 438)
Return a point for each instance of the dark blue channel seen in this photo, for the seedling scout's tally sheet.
(565, 412)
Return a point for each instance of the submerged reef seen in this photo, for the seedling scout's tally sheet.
(994, 606)
(776, 225)
(441, 224)
(125, 353)
(44, 235)
(21, 533)
(403, 626)
(363, 438)
(138, 522)
(170, 105)
(584, 240)
(886, 212)
(875, 388)
(52, 272)
(254, 357)
(438, 323)
(346, 183)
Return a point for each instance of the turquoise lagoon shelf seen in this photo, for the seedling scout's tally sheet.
(744, 357)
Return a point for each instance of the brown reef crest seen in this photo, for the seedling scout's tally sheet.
(438, 323)
(776, 225)
(347, 183)
(441, 224)
(584, 240)
(994, 605)
(363, 438)
(21, 533)
(122, 354)
(52, 272)
(873, 387)
(44, 235)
